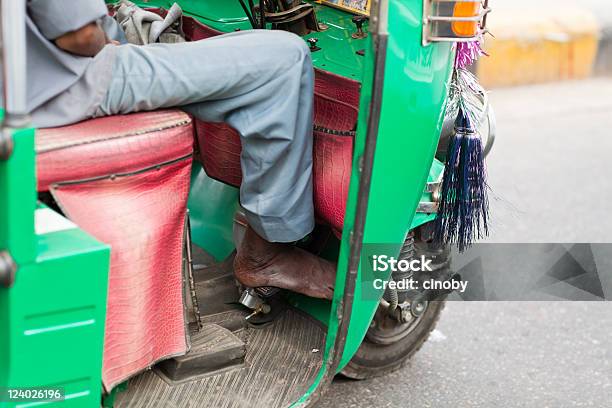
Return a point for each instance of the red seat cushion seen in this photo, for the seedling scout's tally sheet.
(125, 180)
(111, 145)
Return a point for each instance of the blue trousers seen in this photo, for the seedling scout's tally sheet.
(261, 83)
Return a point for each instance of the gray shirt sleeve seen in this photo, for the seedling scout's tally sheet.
(55, 18)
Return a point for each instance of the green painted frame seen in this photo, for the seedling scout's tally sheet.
(52, 317)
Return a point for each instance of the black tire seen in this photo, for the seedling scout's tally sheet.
(379, 356)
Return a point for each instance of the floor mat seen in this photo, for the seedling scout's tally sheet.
(282, 362)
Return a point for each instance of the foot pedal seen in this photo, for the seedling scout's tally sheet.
(214, 350)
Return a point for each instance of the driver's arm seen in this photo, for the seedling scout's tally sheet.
(72, 25)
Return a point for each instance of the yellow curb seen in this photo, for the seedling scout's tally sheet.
(533, 46)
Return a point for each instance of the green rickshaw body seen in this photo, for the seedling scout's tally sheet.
(49, 338)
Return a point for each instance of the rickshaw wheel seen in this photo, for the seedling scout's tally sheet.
(389, 344)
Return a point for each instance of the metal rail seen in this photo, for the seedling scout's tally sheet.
(7, 270)
(13, 40)
(429, 19)
(13, 54)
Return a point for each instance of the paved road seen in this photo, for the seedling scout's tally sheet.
(550, 172)
(550, 167)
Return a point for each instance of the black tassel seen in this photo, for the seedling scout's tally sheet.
(464, 206)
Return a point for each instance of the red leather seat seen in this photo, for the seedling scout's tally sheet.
(125, 180)
(111, 145)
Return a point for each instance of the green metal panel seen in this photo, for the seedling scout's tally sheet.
(212, 206)
(52, 318)
(52, 324)
(338, 52)
(223, 15)
(18, 198)
(415, 90)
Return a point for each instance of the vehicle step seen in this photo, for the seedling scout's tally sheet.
(214, 350)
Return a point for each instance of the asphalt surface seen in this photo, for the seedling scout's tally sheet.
(549, 172)
(550, 168)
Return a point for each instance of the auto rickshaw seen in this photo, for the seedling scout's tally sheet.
(117, 233)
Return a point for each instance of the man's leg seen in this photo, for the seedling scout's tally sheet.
(261, 83)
